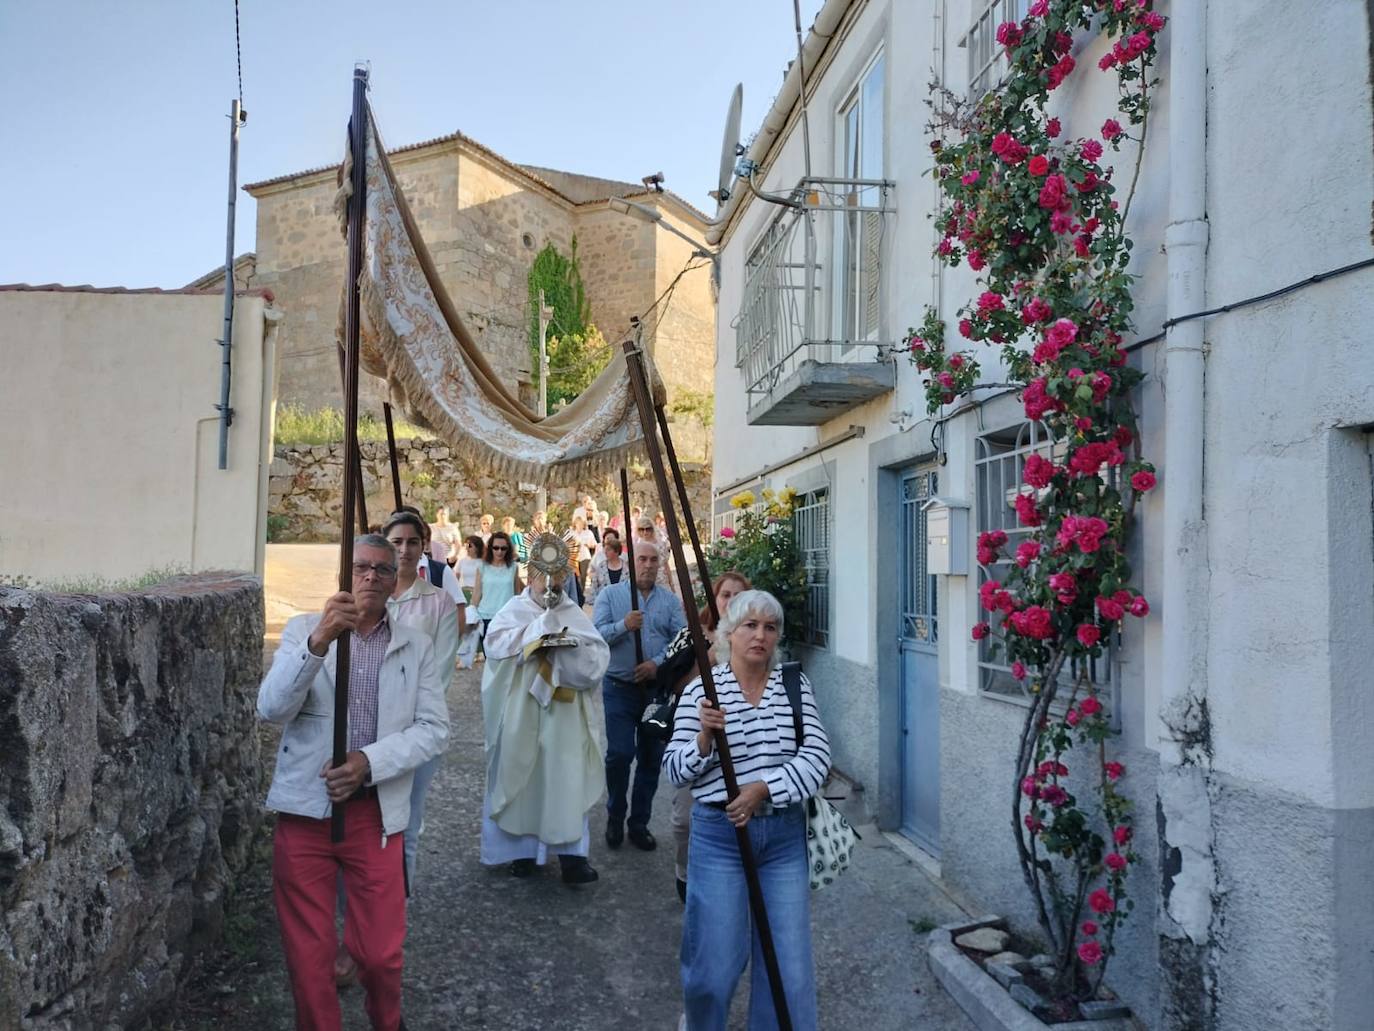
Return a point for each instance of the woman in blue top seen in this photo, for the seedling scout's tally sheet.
(498, 580)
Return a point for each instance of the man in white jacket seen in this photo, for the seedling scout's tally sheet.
(397, 719)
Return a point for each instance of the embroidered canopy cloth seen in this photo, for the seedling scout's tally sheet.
(411, 336)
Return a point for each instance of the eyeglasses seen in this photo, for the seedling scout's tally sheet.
(384, 570)
(499, 547)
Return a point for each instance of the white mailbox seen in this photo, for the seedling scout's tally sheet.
(946, 537)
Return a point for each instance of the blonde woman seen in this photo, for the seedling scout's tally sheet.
(585, 542)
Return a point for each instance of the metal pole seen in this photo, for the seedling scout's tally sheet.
(639, 384)
(686, 504)
(391, 448)
(357, 142)
(226, 414)
(544, 315)
(629, 539)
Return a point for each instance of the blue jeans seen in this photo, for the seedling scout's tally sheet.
(625, 744)
(424, 774)
(717, 931)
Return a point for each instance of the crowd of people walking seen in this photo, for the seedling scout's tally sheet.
(589, 688)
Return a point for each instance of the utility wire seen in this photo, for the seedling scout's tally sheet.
(238, 50)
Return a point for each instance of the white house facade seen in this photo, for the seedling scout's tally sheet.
(1244, 703)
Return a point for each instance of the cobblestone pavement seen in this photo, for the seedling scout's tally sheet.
(487, 951)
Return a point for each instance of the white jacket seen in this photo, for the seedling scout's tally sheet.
(412, 720)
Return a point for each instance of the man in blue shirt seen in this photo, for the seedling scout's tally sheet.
(627, 689)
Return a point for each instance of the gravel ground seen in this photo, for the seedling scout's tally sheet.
(488, 951)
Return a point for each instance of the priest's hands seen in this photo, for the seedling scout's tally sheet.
(742, 806)
(342, 781)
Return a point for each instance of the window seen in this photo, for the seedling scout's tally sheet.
(1000, 463)
(987, 62)
(859, 244)
(811, 520)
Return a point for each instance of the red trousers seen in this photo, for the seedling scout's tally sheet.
(306, 867)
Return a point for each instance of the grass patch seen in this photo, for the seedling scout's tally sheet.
(924, 925)
(297, 425)
(95, 584)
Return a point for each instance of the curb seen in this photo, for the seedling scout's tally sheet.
(985, 1001)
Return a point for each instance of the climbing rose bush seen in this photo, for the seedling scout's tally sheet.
(1040, 216)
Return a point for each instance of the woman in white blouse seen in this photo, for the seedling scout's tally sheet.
(775, 778)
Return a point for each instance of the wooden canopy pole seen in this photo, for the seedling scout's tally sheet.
(629, 540)
(352, 490)
(391, 449)
(353, 457)
(639, 384)
(686, 504)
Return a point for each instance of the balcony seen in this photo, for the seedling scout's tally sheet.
(811, 336)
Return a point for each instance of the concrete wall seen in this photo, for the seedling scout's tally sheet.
(129, 792)
(107, 406)
(1281, 795)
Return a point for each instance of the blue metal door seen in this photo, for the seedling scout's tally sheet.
(920, 670)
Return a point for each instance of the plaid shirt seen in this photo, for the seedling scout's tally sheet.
(365, 665)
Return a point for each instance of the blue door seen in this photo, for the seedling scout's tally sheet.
(920, 670)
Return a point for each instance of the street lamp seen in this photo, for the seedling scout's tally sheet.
(647, 214)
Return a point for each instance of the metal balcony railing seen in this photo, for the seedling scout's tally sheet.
(814, 282)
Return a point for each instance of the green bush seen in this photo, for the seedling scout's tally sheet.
(297, 425)
(763, 546)
(277, 525)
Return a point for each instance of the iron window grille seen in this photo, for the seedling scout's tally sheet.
(987, 61)
(1000, 460)
(811, 523)
(920, 600)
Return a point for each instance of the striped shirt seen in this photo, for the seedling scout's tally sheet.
(763, 741)
(364, 667)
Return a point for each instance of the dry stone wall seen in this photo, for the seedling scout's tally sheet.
(129, 791)
(306, 489)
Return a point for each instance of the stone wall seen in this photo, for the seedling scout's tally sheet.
(306, 489)
(129, 791)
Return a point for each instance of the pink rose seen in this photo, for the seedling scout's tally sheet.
(1089, 928)
(1027, 552)
(1039, 9)
(1091, 150)
(1034, 621)
(1018, 671)
(965, 328)
(1111, 130)
(1071, 717)
(1110, 608)
(1115, 861)
(1033, 823)
(1139, 606)
(1054, 795)
(1143, 481)
(1108, 60)
(1026, 510)
(1052, 128)
(1038, 165)
(1088, 636)
(1037, 310)
(1039, 470)
(956, 361)
(1101, 901)
(1062, 223)
(1090, 952)
(1113, 770)
(969, 178)
(990, 301)
(980, 631)
(1029, 787)
(1090, 706)
(1123, 436)
(1065, 587)
(1152, 20)
(945, 380)
(1009, 34)
(726, 532)
(1121, 835)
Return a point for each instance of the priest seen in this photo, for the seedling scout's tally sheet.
(545, 748)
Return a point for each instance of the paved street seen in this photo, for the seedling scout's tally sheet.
(488, 951)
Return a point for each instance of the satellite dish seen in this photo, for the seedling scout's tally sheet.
(729, 146)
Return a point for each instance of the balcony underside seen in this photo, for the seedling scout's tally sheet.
(816, 392)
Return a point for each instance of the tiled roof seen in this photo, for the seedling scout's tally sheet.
(203, 282)
(615, 188)
(86, 288)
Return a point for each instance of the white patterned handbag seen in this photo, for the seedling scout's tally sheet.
(830, 839)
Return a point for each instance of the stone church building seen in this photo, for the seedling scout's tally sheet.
(484, 219)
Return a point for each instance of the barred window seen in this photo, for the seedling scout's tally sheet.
(1000, 463)
(987, 62)
(811, 518)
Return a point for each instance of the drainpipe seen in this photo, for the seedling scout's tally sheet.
(1188, 876)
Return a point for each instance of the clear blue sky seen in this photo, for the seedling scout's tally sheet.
(114, 132)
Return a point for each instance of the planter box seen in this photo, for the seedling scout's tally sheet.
(987, 1002)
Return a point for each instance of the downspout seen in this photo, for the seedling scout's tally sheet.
(1188, 875)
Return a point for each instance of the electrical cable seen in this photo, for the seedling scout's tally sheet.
(238, 51)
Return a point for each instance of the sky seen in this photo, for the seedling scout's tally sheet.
(114, 137)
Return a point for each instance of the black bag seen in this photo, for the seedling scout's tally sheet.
(678, 660)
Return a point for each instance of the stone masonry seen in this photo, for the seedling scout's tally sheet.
(484, 219)
(129, 792)
(305, 489)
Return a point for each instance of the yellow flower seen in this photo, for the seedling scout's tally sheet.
(744, 499)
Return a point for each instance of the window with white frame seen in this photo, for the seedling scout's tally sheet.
(858, 246)
(811, 521)
(1000, 461)
(987, 60)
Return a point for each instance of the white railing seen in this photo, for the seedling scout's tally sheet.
(814, 282)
